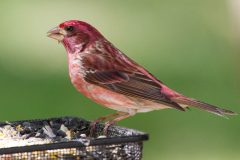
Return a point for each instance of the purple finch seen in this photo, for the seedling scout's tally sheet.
(107, 76)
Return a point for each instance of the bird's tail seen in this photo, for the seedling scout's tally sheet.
(204, 106)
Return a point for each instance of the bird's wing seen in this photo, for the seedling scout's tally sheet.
(118, 76)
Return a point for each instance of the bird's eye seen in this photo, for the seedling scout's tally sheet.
(69, 28)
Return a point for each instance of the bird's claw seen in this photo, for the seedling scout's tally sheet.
(93, 124)
(92, 128)
(106, 126)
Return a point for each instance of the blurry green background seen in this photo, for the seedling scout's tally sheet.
(189, 45)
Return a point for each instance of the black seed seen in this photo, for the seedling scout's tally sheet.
(61, 133)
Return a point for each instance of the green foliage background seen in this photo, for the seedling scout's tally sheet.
(187, 44)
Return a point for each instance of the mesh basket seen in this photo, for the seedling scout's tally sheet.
(67, 138)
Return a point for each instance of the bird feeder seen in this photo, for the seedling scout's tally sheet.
(67, 138)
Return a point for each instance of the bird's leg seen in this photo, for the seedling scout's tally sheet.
(104, 118)
(120, 117)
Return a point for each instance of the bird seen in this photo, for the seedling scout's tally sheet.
(104, 74)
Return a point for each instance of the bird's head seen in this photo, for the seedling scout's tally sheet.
(74, 32)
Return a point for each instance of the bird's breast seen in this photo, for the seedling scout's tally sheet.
(75, 65)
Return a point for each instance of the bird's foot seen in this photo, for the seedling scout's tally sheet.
(106, 126)
(111, 119)
(93, 125)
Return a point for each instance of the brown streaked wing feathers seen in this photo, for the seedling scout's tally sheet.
(130, 84)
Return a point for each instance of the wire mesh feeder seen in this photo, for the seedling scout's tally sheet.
(67, 138)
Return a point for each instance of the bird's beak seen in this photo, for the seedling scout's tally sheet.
(56, 33)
